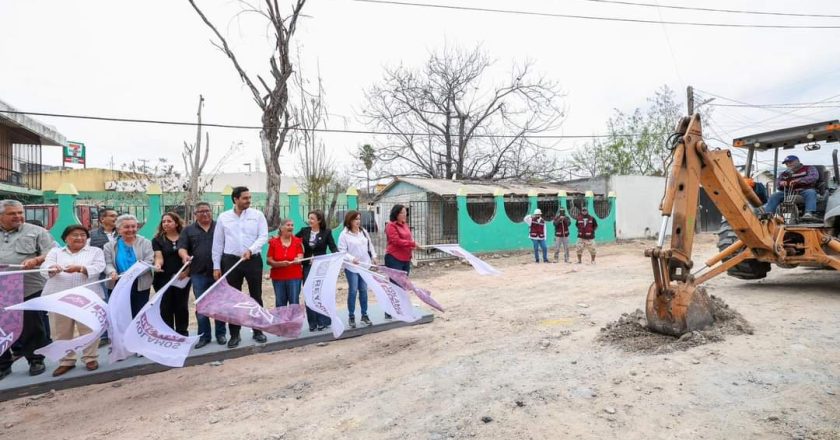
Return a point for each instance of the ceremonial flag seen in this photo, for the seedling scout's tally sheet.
(479, 265)
(149, 336)
(119, 311)
(11, 321)
(227, 304)
(400, 278)
(392, 298)
(319, 288)
(79, 304)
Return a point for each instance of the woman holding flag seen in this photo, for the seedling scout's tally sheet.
(356, 242)
(284, 251)
(400, 242)
(174, 306)
(317, 238)
(123, 252)
(71, 266)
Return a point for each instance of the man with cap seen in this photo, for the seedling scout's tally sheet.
(799, 179)
(536, 231)
(586, 226)
(561, 235)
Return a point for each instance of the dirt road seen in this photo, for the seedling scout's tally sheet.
(519, 352)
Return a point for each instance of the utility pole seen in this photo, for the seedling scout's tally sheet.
(690, 99)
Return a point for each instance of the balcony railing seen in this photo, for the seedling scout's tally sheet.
(21, 166)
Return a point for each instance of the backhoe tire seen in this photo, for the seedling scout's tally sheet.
(746, 270)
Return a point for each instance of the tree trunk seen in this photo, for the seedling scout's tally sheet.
(272, 182)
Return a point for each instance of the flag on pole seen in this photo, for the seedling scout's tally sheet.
(392, 298)
(227, 304)
(319, 288)
(149, 336)
(119, 311)
(400, 278)
(478, 264)
(79, 304)
(11, 321)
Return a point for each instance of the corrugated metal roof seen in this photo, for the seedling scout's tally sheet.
(451, 187)
(48, 134)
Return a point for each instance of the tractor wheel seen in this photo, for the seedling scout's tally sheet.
(746, 270)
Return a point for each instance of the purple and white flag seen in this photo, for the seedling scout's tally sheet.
(11, 321)
(478, 264)
(79, 304)
(392, 298)
(227, 304)
(149, 336)
(119, 311)
(319, 288)
(400, 278)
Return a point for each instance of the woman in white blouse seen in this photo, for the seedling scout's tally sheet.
(356, 242)
(71, 266)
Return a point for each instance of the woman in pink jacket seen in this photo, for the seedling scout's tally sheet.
(400, 241)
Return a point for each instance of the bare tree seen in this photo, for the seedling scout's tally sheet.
(446, 123)
(273, 100)
(195, 159)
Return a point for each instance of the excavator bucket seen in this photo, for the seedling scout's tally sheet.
(681, 309)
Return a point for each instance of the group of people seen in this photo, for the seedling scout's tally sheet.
(232, 244)
(586, 226)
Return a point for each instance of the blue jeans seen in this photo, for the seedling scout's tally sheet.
(537, 245)
(355, 283)
(200, 283)
(394, 263)
(286, 292)
(810, 196)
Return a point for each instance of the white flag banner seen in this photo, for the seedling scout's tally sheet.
(393, 299)
(119, 311)
(79, 304)
(181, 282)
(149, 336)
(319, 288)
(478, 264)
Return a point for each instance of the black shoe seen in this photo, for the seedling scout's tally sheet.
(366, 320)
(36, 368)
(221, 339)
(234, 341)
(810, 217)
(387, 316)
(311, 328)
(321, 327)
(352, 322)
(259, 337)
(6, 372)
(104, 342)
(202, 343)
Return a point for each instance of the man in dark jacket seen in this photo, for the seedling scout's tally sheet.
(561, 235)
(99, 237)
(586, 226)
(800, 179)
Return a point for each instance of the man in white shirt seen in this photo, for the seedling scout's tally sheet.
(240, 234)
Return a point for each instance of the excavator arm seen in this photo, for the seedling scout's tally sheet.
(676, 302)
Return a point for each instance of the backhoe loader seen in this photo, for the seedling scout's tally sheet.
(750, 239)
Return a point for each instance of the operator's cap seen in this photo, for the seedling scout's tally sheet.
(790, 158)
(537, 211)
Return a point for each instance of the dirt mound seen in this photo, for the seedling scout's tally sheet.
(630, 332)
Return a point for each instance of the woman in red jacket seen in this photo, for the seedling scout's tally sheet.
(284, 254)
(400, 241)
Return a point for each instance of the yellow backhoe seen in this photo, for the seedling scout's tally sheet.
(750, 239)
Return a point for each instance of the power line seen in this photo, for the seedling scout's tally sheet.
(318, 130)
(595, 18)
(727, 11)
(782, 106)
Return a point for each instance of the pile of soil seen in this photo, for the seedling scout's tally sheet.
(631, 333)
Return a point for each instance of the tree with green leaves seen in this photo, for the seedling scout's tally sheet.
(367, 154)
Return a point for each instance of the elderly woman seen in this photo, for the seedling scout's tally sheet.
(174, 306)
(123, 252)
(71, 266)
(400, 242)
(284, 254)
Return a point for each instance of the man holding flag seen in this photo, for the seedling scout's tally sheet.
(25, 245)
(240, 234)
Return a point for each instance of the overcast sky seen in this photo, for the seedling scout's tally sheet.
(152, 59)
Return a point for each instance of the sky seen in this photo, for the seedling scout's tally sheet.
(152, 59)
